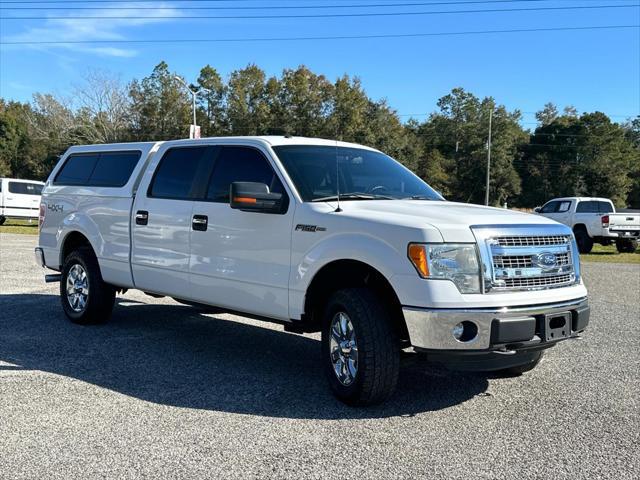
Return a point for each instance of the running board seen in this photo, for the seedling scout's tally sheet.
(52, 278)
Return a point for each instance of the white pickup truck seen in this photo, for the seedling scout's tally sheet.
(595, 220)
(19, 198)
(319, 236)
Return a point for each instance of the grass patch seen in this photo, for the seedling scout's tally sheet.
(609, 254)
(12, 225)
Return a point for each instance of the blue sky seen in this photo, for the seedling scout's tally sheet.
(592, 70)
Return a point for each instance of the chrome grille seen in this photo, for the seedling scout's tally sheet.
(538, 281)
(533, 241)
(530, 262)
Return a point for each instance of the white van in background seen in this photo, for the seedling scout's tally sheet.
(19, 198)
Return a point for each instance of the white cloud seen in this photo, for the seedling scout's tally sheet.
(70, 29)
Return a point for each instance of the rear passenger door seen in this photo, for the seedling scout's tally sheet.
(161, 221)
(588, 214)
(241, 260)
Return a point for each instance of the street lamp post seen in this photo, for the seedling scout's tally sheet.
(194, 94)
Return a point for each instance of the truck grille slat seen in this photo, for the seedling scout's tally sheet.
(533, 241)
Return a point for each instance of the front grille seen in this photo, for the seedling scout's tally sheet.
(532, 241)
(533, 282)
(530, 262)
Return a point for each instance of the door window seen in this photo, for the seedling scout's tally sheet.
(240, 164)
(587, 207)
(25, 188)
(179, 172)
(564, 207)
(605, 207)
(549, 207)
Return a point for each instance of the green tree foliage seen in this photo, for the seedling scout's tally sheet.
(567, 154)
(587, 155)
(160, 107)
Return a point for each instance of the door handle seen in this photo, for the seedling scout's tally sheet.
(142, 217)
(200, 222)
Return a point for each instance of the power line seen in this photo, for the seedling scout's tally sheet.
(281, 7)
(296, 39)
(323, 15)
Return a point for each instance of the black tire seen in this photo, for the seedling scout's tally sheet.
(520, 369)
(100, 296)
(584, 241)
(626, 245)
(378, 350)
(2, 219)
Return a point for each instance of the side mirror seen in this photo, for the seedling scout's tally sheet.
(537, 209)
(255, 197)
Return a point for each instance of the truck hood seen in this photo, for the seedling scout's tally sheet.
(452, 219)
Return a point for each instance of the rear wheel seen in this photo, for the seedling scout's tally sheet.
(584, 241)
(360, 351)
(626, 245)
(85, 297)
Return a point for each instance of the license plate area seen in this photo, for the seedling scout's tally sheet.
(557, 326)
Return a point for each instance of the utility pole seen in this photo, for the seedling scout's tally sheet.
(486, 195)
(194, 94)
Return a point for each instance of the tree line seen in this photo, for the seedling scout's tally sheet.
(567, 154)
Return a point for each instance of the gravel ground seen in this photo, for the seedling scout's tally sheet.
(163, 391)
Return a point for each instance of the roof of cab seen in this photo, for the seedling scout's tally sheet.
(271, 140)
(275, 141)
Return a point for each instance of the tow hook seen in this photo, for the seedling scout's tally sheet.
(504, 351)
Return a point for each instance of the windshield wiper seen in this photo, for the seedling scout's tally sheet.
(420, 197)
(353, 196)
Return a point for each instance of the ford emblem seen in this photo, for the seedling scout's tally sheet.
(545, 260)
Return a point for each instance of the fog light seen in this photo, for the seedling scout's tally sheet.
(465, 331)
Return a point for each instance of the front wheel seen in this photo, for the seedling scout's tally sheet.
(626, 245)
(360, 351)
(85, 297)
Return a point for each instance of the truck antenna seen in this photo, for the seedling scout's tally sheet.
(338, 209)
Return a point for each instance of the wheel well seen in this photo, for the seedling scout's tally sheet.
(72, 242)
(348, 274)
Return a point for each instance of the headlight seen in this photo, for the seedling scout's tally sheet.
(448, 261)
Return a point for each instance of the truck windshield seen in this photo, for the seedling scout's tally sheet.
(363, 174)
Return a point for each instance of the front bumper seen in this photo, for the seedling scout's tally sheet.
(497, 328)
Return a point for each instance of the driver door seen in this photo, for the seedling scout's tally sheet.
(241, 260)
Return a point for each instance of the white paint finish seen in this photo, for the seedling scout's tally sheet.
(242, 261)
(162, 246)
(18, 205)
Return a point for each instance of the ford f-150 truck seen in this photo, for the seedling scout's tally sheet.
(595, 220)
(319, 236)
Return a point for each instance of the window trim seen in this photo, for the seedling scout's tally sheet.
(99, 154)
(197, 186)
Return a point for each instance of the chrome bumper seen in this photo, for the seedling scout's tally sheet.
(432, 329)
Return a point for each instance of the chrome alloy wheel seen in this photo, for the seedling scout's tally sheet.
(343, 349)
(77, 288)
